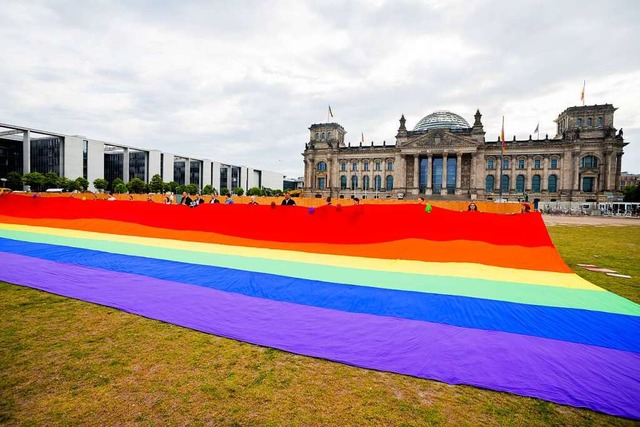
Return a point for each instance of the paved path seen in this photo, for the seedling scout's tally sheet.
(590, 220)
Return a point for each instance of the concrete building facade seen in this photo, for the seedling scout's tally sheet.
(444, 157)
(24, 150)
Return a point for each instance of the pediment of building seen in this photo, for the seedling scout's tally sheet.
(439, 138)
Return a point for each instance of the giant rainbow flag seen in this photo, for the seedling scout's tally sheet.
(460, 297)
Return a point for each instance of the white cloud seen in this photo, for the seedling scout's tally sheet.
(241, 82)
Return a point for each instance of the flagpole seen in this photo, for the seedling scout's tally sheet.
(501, 162)
(501, 156)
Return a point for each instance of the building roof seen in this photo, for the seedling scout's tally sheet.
(442, 120)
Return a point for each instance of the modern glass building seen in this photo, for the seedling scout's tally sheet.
(24, 150)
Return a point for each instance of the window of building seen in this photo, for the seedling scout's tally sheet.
(599, 121)
(505, 183)
(505, 163)
(343, 182)
(377, 166)
(354, 182)
(365, 182)
(554, 163)
(389, 182)
(377, 182)
(589, 162)
(489, 184)
(323, 135)
(579, 122)
(520, 184)
(354, 166)
(317, 136)
(589, 121)
(535, 183)
(389, 165)
(520, 163)
(587, 184)
(322, 166)
(343, 166)
(85, 158)
(553, 184)
(536, 163)
(322, 183)
(452, 165)
(365, 166)
(328, 135)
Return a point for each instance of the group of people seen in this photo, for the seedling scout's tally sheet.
(228, 200)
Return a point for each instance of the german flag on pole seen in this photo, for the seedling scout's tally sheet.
(504, 144)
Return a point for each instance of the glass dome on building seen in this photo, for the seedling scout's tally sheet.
(442, 120)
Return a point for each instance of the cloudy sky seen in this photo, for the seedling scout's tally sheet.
(242, 81)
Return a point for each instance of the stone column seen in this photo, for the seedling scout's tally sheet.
(416, 174)
(544, 185)
(26, 152)
(445, 155)
(125, 165)
(429, 174)
(458, 173)
(576, 170)
(528, 185)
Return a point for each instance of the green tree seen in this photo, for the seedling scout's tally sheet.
(254, 191)
(156, 185)
(208, 189)
(631, 193)
(51, 180)
(35, 180)
(115, 183)
(180, 189)
(136, 186)
(120, 188)
(239, 191)
(224, 191)
(173, 187)
(14, 181)
(100, 184)
(277, 192)
(82, 183)
(64, 183)
(69, 185)
(191, 189)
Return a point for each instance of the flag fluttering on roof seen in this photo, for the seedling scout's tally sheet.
(460, 297)
(504, 144)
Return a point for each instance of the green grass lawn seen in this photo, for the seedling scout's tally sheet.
(66, 362)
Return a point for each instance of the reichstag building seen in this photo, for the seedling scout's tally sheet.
(443, 157)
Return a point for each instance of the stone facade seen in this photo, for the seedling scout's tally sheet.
(447, 160)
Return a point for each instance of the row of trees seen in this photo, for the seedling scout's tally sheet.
(43, 182)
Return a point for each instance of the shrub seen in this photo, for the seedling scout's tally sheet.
(120, 188)
(100, 184)
(254, 191)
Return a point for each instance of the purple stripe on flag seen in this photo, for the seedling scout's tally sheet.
(575, 374)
